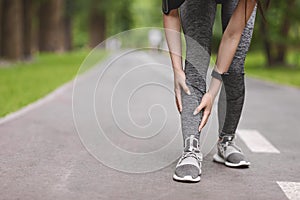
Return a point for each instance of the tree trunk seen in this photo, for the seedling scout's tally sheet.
(27, 28)
(35, 27)
(68, 33)
(97, 25)
(282, 47)
(51, 32)
(1, 28)
(12, 47)
(284, 32)
(276, 50)
(266, 43)
(68, 24)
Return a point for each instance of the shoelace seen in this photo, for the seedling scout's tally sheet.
(232, 144)
(191, 154)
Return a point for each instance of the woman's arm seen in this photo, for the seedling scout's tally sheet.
(172, 30)
(232, 35)
(228, 46)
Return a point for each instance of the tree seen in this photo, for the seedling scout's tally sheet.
(69, 11)
(11, 30)
(121, 19)
(107, 18)
(27, 28)
(124, 16)
(0, 28)
(97, 23)
(276, 32)
(51, 32)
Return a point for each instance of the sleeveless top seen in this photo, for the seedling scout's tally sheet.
(168, 5)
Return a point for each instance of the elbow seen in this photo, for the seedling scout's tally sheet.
(173, 13)
(170, 19)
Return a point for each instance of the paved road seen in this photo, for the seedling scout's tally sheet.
(42, 156)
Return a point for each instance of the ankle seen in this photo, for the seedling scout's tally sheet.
(225, 138)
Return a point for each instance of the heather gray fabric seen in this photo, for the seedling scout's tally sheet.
(190, 162)
(234, 85)
(197, 19)
(230, 152)
(228, 124)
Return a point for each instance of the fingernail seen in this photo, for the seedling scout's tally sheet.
(195, 112)
(189, 93)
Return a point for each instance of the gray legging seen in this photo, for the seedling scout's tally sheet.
(197, 19)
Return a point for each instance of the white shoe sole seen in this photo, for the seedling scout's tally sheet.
(186, 179)
(219, 159)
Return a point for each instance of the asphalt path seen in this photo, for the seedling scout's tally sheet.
(114, 133)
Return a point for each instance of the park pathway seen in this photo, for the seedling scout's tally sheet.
(42, 156)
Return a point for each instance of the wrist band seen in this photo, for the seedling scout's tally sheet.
(216, 75)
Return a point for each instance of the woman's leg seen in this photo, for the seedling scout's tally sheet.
(197, 19)
(232, 94)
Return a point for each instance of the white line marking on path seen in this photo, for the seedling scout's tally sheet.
(290, 189)
(256, 142)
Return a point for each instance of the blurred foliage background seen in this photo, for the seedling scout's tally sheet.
(30, 26)
(42, 42)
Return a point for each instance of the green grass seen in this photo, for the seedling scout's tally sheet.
(25, 82)
(256, 67)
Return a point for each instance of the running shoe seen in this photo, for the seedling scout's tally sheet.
(230, 154)
(188, 168)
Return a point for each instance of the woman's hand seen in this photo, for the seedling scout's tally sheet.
(173, 36)
(179, 82)
(206, 104)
